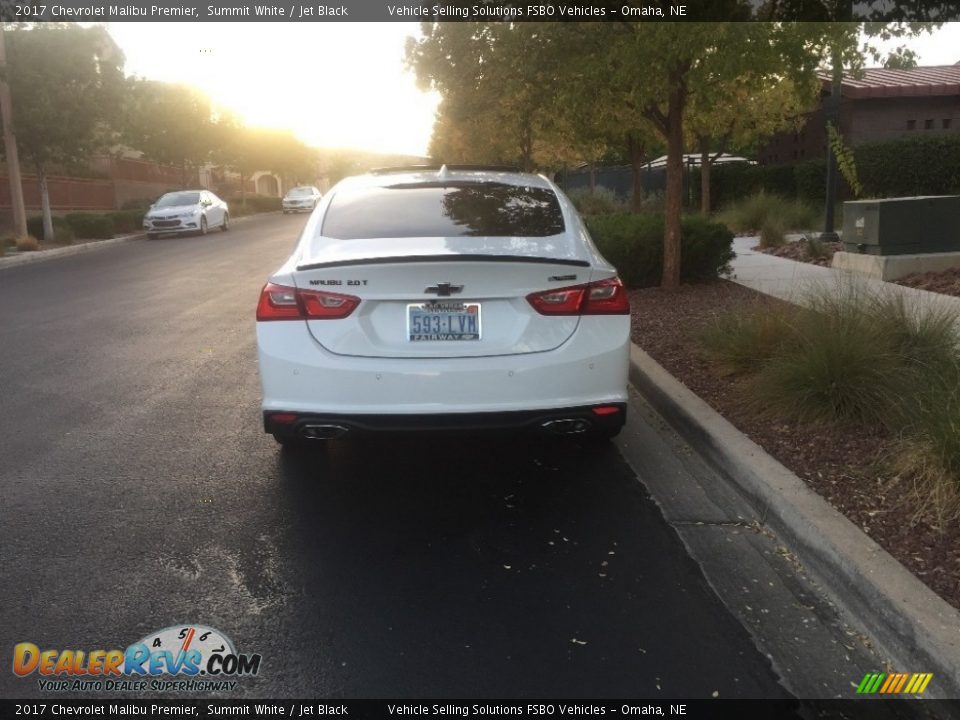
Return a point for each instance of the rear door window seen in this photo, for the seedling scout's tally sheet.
(443, 210)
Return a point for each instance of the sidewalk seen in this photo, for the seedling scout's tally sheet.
(790, 280)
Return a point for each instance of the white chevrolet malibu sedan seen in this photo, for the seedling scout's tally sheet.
(186, 211)
(458, 298)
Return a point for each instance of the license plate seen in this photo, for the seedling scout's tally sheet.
(443, 321)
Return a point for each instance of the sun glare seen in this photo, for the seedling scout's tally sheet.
(333, 84)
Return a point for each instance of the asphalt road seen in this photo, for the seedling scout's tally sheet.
(137, 492)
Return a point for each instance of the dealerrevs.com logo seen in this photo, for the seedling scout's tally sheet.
(176, 659)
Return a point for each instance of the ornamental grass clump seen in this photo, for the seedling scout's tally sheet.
(926, 456)
(27, 243)
(751, 213)
(772, 234)
(599, 201)
(865, 360)
(741, 342)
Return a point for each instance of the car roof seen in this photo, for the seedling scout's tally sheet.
(452, 174)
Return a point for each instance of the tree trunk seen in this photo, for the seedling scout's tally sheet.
(674, 195)
(10, 146)
(45, 205)
(527, 148)
(243, 188)
(706, 164)
(637, 154)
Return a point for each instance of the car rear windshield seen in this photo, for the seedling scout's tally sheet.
(174, 199)
(299, 192)
(443, 210)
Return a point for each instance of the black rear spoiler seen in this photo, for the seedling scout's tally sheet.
(444, 258)
(438, 168)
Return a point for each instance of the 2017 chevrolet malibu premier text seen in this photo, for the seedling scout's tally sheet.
(458, 298)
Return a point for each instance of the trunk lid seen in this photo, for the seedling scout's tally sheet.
(409, 289)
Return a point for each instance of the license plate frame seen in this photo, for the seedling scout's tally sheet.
(453, 330)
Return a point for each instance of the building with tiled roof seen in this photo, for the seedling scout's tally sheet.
(880, 104)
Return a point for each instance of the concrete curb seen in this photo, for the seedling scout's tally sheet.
(42, 255)
(35, 257)
(910, 624)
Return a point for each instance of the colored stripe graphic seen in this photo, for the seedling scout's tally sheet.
(903, 679)
(894, 683)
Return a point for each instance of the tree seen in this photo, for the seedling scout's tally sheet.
(737, 114)
(170, 124)
(670, 65)
(65, 82)
(497, 81)
(602, 106)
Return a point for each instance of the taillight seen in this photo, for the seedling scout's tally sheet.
(326, 306)
(280, 302)
(604, 297)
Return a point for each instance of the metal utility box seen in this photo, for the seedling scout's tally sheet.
(902, 226)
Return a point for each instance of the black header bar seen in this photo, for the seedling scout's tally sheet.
(719, 709)
(476, 11)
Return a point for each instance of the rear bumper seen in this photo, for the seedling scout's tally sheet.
(298, 375)
(606, 419)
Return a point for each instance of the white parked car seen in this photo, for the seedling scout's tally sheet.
(451, 299)
(300, 199)
(186, 211)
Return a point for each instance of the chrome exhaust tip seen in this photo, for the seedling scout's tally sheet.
(323, 432)
(567, 426)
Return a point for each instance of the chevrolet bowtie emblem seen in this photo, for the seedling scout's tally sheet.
(444, 289)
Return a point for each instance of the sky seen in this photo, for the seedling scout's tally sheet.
(332, 84)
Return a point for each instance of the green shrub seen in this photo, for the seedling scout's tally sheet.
(601, 201)
(633, 243)
(127, 221)
(90, 226)
(62, 232)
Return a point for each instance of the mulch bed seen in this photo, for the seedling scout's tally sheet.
(797, 250)
(844, 467)
(946, 282)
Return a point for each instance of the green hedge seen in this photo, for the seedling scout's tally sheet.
(142, 204)
(918, 165)
(255, 204)
(127, 221)
(734, 181)
(62, 232)
(90, 226)
(633, 243)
